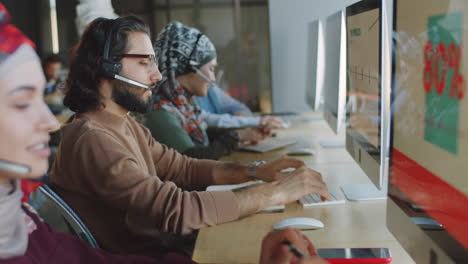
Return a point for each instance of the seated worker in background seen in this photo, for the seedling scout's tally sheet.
(54, 73)
(24, 125)
(134, 194)
(225, 120)
(53, 68)
(218, 102)
(220, 110)
(187, 59)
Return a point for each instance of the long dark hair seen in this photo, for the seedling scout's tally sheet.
(82, 86)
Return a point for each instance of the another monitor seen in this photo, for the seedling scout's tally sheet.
(315, 65)
(366, 91)
(429, 154)
(334, 87)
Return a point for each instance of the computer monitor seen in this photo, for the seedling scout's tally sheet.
(429, 135)
(366, 93)
(334, 87)
(315, 65)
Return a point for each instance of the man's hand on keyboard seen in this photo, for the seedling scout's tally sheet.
(302, 181)
(280, 189)
(271, 171)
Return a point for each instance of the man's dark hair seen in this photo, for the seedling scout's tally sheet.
(51, 58)
(82, 93)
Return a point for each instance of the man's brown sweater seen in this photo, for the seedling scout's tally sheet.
(129, 189)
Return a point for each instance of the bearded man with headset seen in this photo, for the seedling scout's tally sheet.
(134, 194)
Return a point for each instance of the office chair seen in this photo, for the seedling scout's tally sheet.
(59, 215)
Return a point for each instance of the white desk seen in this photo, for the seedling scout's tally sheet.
(355, 224)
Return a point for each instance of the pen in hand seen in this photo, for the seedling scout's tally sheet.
(293, 249)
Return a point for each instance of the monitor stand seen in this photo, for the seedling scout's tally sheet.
(363, 192)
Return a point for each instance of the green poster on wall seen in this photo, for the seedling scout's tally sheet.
(442, 107)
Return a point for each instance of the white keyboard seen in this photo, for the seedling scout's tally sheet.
(270, 144)
(315, 200)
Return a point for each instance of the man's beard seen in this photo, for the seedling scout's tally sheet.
(125, 95)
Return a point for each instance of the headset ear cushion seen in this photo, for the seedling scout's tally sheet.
(191, 66)
(117, 67)
(110, 68)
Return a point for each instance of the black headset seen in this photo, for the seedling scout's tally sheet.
(190, 66)
(110, 67)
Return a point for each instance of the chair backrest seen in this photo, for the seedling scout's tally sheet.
(56, 213)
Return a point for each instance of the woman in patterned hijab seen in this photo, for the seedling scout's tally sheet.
(181, 50)
(186, 60)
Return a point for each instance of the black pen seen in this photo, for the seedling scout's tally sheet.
(293, 249)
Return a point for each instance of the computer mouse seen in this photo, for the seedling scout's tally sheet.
(300, 152)
(302, 223)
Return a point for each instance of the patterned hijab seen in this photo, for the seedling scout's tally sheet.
(15, 49)
(179, 49)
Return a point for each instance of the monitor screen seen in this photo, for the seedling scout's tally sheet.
(314, 68)
(335, 76)
(429, 154)
(364, 88)
(363, 72)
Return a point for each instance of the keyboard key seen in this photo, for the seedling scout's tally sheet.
(315, 200)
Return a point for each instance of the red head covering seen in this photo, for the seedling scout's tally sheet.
(10, 36)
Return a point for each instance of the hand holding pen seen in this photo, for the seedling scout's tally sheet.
(313, 259)
(288, 246)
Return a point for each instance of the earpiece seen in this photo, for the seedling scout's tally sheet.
(109, 67)
(201, 74)
(14, 167)
(192, 65)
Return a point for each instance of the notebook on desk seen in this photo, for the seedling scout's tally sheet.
(269, 144)
(271, 209)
